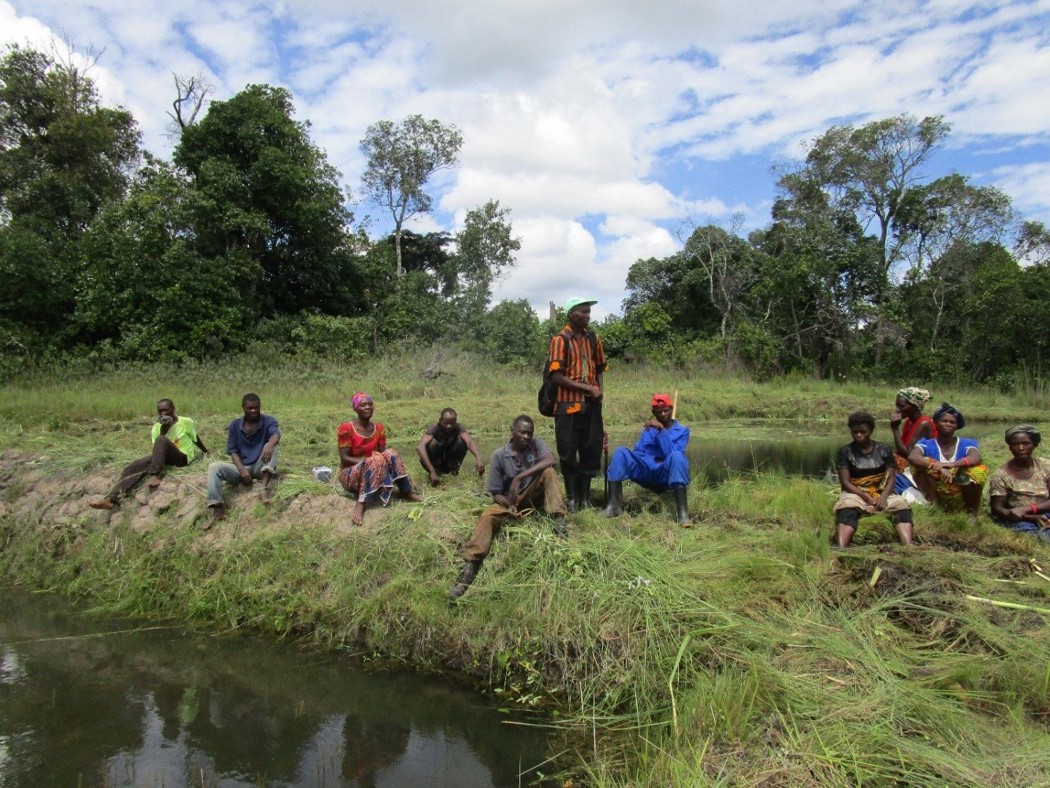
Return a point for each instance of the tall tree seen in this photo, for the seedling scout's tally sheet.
(262, 188)
(868, 170)
(486, 250)
(401, 158)
(63, 156)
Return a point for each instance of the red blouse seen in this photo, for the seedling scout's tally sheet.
(360, 446)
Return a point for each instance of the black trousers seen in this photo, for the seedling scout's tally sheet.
(447, 457)
(579, 438)
(164, 453)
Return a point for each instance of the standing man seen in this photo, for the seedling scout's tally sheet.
(174, 438)
(521, 478)
(657, 462)
(576, 365)
(444, 446)
(251, 442)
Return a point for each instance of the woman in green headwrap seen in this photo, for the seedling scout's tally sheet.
(909, 426)
(1020, 489)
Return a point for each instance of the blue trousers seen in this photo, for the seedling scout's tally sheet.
(659, 476)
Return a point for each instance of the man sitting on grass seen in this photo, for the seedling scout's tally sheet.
(173, 438)
(521, 478)
(251, 442)
(866, 474)
(444, 446)
(657, 462)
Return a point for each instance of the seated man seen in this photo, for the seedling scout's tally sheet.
(657, 462)
(521, 477)
(173, 438)
(444, 445)
(251, 442)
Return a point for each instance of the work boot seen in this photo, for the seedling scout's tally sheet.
(614, 506)
(559, 526)
(680, 494)
(571, 492)
(583, 496)
(466, 577)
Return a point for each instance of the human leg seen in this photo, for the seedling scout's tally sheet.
(453, 455)
(591, 442)
(132, 474)
(545, 492)
(846, 525)
(164, 453)
(264, 471)
(480, 543)
(565, 439)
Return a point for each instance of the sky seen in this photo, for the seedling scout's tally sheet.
(607, 128)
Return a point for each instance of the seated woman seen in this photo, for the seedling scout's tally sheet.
(1020, 490)
(948, 468)
(367, 468)
(909, 426)
(866, 470)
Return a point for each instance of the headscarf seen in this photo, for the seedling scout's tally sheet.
(916, 396)
(1028, 430)
(661, 401)
(358, 398)
(946, 408)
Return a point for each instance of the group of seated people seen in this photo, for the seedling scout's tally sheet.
(930, 462)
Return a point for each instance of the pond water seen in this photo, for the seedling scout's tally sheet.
(97, 701)
(719, 450)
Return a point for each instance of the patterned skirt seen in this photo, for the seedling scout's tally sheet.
(376, 474)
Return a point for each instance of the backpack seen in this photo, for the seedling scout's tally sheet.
(547, 396)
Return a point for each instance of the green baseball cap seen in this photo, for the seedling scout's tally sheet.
(576, 301)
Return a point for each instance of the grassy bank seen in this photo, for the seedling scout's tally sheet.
(742, 651)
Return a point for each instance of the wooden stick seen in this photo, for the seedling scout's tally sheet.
(674, 405)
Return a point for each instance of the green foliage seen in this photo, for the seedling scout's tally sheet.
(510, 333)
(344, 338)
(63, 157)
(486, 251)
(261, 188)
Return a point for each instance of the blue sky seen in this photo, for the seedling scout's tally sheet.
(603, 126)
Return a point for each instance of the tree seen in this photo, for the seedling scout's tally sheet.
(401, 158)
(727, 268)
(190, 94)
(261, 188)
(63, 157)
(868, 170)
(486, 251)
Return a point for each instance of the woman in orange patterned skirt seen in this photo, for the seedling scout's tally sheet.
(367, 468)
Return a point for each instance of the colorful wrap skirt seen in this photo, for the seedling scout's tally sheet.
(975, 474)
(376, 474)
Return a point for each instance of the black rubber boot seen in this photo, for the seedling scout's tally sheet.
(680, 499)
(583, 495)
(559, 527)
(571, 492)
(614, 506)
(466, 577)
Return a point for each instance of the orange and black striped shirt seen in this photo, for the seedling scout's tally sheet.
(579, 357)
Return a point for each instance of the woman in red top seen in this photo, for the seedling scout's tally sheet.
(367, 468)
(909, 426)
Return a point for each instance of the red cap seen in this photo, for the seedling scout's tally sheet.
(661, 400)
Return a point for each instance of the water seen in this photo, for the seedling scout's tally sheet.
(92, 701)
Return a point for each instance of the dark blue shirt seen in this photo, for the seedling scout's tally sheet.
(249, 447)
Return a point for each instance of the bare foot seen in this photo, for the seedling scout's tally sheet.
(412, 496)
(153, 483)
(102, 503)
(265, 497)
(358, 516)
(217, 513)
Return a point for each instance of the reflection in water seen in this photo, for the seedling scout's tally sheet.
(167, 707)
